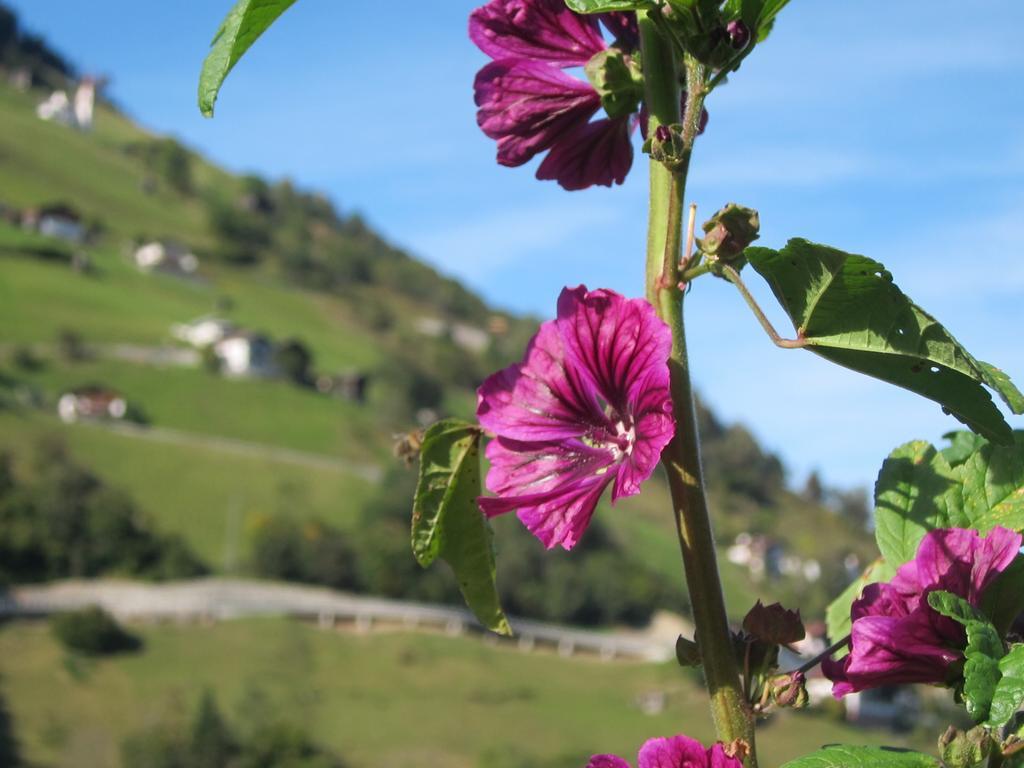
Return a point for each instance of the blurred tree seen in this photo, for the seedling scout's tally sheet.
(212, 743)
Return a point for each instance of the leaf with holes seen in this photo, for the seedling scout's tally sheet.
(244, 24)
(917, 491)
(847, 309)
(447, 523)
(842, 756)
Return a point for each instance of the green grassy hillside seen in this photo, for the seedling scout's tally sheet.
(309, 274)
(375, 700)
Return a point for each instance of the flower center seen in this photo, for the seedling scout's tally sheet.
(617, 439)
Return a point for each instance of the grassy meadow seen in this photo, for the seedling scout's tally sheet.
(382, 700)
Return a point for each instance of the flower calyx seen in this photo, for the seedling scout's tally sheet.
(966, 749)
(687, 652)
(705, 33)
(774, 624)
(618, 81)
(667, 147)
(728, 233)
(788, 691)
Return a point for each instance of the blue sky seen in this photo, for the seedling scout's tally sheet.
(892, 129)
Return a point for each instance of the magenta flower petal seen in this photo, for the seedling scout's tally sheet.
(588, 406)
(598, 153)
(528, 106)
(896, 636)
(545, 30)
(674, 752)
(554, 486)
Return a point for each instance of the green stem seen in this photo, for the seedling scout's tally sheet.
(731, 714)
(734, 277)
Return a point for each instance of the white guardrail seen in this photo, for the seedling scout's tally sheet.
(218, 599)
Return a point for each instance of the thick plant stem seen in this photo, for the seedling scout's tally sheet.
(732, 715)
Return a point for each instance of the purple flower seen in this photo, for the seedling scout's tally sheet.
(674, 752)
(589, 406)
(897, 637)
(529, 105)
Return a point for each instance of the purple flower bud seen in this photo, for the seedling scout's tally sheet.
(663, 134)
(739, 34)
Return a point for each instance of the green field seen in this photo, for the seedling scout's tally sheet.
(209, 497)
(401, 700)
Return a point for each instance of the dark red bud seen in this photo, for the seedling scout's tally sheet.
(739, 34)
(663, 134)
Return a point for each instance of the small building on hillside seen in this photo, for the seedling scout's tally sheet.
(346, 386)
(166, 256)
(74, 113)
(56, 109)
(470, 338)
(464, 336)
(91, 403)
(243, 353)
(55, 220)
(203, 331)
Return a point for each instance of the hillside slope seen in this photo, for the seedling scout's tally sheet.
(285, 263)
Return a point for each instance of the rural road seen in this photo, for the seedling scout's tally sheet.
(216, 599)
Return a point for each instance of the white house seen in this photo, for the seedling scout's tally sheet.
(470, 338)
(85, 100)
(245, 354)
(202, 332)
(166, 256)
(56, 109)
(91, 403)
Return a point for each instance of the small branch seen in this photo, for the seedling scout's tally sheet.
(821, 657)
(698, 269)
(734, 277)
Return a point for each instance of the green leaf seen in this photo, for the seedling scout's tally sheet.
(994, 486)
(766, 19)
(837, 618)
(1009, 693)
(983, 652)
(1004, 597)
(842, 756)
(956, 608)
(962, 445)
(1001, 383)
(916, 492)
(240, 29)
(847, 309)
(604, 6)
(447, 523)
